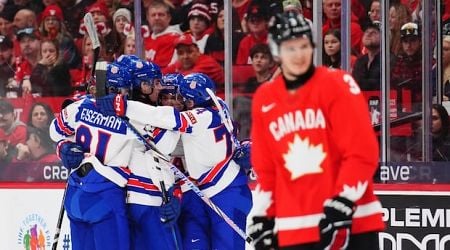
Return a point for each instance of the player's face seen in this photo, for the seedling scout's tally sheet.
(296, 56)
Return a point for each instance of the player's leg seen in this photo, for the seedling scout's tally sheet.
(147, 231)
(81, 235)
(235, 202)
(194, 222)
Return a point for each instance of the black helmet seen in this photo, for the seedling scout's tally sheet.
(288, 25)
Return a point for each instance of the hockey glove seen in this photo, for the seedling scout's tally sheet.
(170, 211)
(112, 105)
(335, 226)
(261, 231)
(70, 153)
(242, 155)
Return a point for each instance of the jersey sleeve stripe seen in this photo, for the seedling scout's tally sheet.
(214, 171)
(62, 127)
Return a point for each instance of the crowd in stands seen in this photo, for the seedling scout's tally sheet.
(45, 50)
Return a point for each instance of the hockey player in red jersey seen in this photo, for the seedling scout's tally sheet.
(314, 163)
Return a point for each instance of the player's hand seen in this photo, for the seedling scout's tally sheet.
(70, 153)
(242, 155)
(261, 230)
(335, 226)
(112, 104)
(170, 211)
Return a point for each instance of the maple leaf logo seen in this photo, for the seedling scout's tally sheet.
(261, 201)
(354, 193)
(303, 158)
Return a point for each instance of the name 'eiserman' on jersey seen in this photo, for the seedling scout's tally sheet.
(110, 123)
(297, 120)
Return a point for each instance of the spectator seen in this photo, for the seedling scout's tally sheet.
(367, 68)
(332, 49)
(190, 60)
(332, 12)
(11, 129)
(199, 24)
(40, 116)
(7, 83)
(6, 20)
(129, 46)
(241, 7)
(398, 15)
(30, 43)
(25, 18)
(51, 76)
(446, 62)
(375, 11)
(215, 44)
(406, 73)
(38, 147)
(6, 154)
(440, 126)
(52, 27)
(159, 46)
(263, 64)
(257, 20)
(100, 14)
(73, 12)
(121, 19)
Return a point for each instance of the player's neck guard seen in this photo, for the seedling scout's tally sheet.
(300, 79)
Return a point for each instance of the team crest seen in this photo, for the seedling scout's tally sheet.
(193, 85)
(139, 65)
(114, 70)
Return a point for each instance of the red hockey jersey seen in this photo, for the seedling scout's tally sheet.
(310, 145)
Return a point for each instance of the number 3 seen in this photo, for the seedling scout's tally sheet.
(354, 88)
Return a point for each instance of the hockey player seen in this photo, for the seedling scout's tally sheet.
(208, 151)
(92, 196)
(314, 165)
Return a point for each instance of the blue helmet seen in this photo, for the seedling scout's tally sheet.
(117, 77)
(170, 83)
(141, 70)
(194, 88)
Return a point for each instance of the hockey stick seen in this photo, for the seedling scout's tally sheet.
(98, 69)
(190, 184)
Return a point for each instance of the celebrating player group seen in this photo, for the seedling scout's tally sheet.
(167, 172)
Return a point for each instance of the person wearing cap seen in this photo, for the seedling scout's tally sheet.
(332, 12)
(11, 128)
(256, 20)
(191, 60)
(199, 24)
(52, 27)
(121, 17)
(367, 68)
(7, 65)
(30, 43)
(313, 179)
(406, 69)
(159, 46)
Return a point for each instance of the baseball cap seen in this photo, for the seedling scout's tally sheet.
(373, 25)
(185, 39)
(5, 43)
(410, 30)
(258, 11)
(99, 7)
(6, 107)
(200, 10)
(30, 32)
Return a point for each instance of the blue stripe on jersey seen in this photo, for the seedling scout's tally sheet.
(159, 135)
(88, 114)
(62, 127)
(216, 177)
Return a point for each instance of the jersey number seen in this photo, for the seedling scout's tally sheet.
(84, 138)
(221, 133)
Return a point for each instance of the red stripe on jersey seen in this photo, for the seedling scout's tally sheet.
(184, 123)
(125, 170)
(147, 186)
(215, 170)
(61, 125)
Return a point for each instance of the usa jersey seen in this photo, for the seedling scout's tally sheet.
(310, 145)
(208, 147)
(106, 137)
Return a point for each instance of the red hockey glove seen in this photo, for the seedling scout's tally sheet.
(261, 230)
(113, 104)
(335, 226)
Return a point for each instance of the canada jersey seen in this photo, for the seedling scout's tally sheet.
(106, 137)
(305, 149)
(208, 148)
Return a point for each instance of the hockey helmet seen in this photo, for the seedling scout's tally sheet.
(194, 88)
(141, 70)
(170, 83)
(285, 26)
(117, 77)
